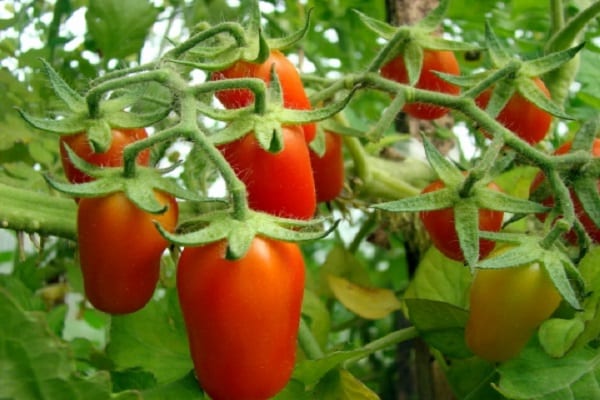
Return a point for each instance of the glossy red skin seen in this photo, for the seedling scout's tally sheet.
(328, 170)
(242, 316)
(277, 183)
(120, 250)
(433, 60)
(586, 221)
(506, 307)
(440, 226)
(294, 96)
(521, 116)
(113, 157)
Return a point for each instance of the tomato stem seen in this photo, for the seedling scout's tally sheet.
(234, 29)
(308, 342)
(257, 86)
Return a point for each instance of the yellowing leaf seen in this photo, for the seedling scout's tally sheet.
(370, 303)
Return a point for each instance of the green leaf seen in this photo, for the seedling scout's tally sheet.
(341, 263)
(154, 338)
(37, 364)
(473, 378)
(534, 94)
(558, 335)
(441, 325)
(556, 268)
(119, 28)
(185, 388)
(441, 279)
(591, 305)
(342, 385)
(381, 28)
(535, 375)
(71, 124)
(494, 200)
(586, 189)
(437, 200)
(318, 318)
(573, 28)
(545, 64)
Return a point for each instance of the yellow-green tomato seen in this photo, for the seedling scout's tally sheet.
(506, 307)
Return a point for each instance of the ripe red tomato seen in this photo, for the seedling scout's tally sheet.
(521, 116)
(586, 221)
(294, 96)
(506, 307)
(328, 170)
(242, 316)
(278, 183)
(120, 250)
(113, 157)
(433, 60)
(440, 226)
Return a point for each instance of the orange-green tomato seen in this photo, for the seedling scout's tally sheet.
(506, 307)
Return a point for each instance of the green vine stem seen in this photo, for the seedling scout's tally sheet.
(389, 340)
(51, 215)
(257, 86)
(308, 342)
(234, 29)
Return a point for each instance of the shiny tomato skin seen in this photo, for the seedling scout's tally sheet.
(521, 116)
(433, 60)
(328, 170)
(113, 157)
(440, 226)
(120, 250)
(294, 96)
(277, 183)
(590, 227)
(506, 307)
(242, 316)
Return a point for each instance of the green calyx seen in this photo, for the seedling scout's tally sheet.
(139, 189)
(220, 225)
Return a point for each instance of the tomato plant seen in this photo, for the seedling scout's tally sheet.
(294, 96)
(242, 316)
(440, 226)
(113, 157)
(433, 60)
(521, 116)
(277, 183)
(590, 227)
(328, 170)
(506, 307)
(120, 250)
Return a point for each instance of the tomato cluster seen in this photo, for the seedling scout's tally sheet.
(119, 246)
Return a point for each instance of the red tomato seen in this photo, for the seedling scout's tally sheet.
(242, 316)
(433, 60)
(113, 157)
(328, 170)
(506, 307)
(586, 221)
(278, 183)
(440, 226)
(120, 250)
(521, 116)
(294, 96)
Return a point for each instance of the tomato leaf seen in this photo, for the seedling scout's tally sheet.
(434, 18)
(36, 361)
(119, 28)
(573, 28)
(440, 279)
(495, 200)
(437, 200)
(342, 385)
(387, 118)
(413, 60)
(542, 65)
(556, 264)
(440, 324)
(366, 302)
(381, 28)
(70, 124)
(536, 375)
(534, 94)
(473, 378)
(184, 388)
(292, 39)
(446, 170)
(501, 94)
(586, 189)
(591, 305)
(135, 338)
(466, 219)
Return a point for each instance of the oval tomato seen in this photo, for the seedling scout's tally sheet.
(242, 316)
(440, 226)
(277, 183)
(120, 250)
(328, 170)
(521, 116)
(590, 227)
(433, 60)
(294, 96)
(506, 307)
(113, 157)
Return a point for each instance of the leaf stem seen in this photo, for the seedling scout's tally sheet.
(308, 342)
